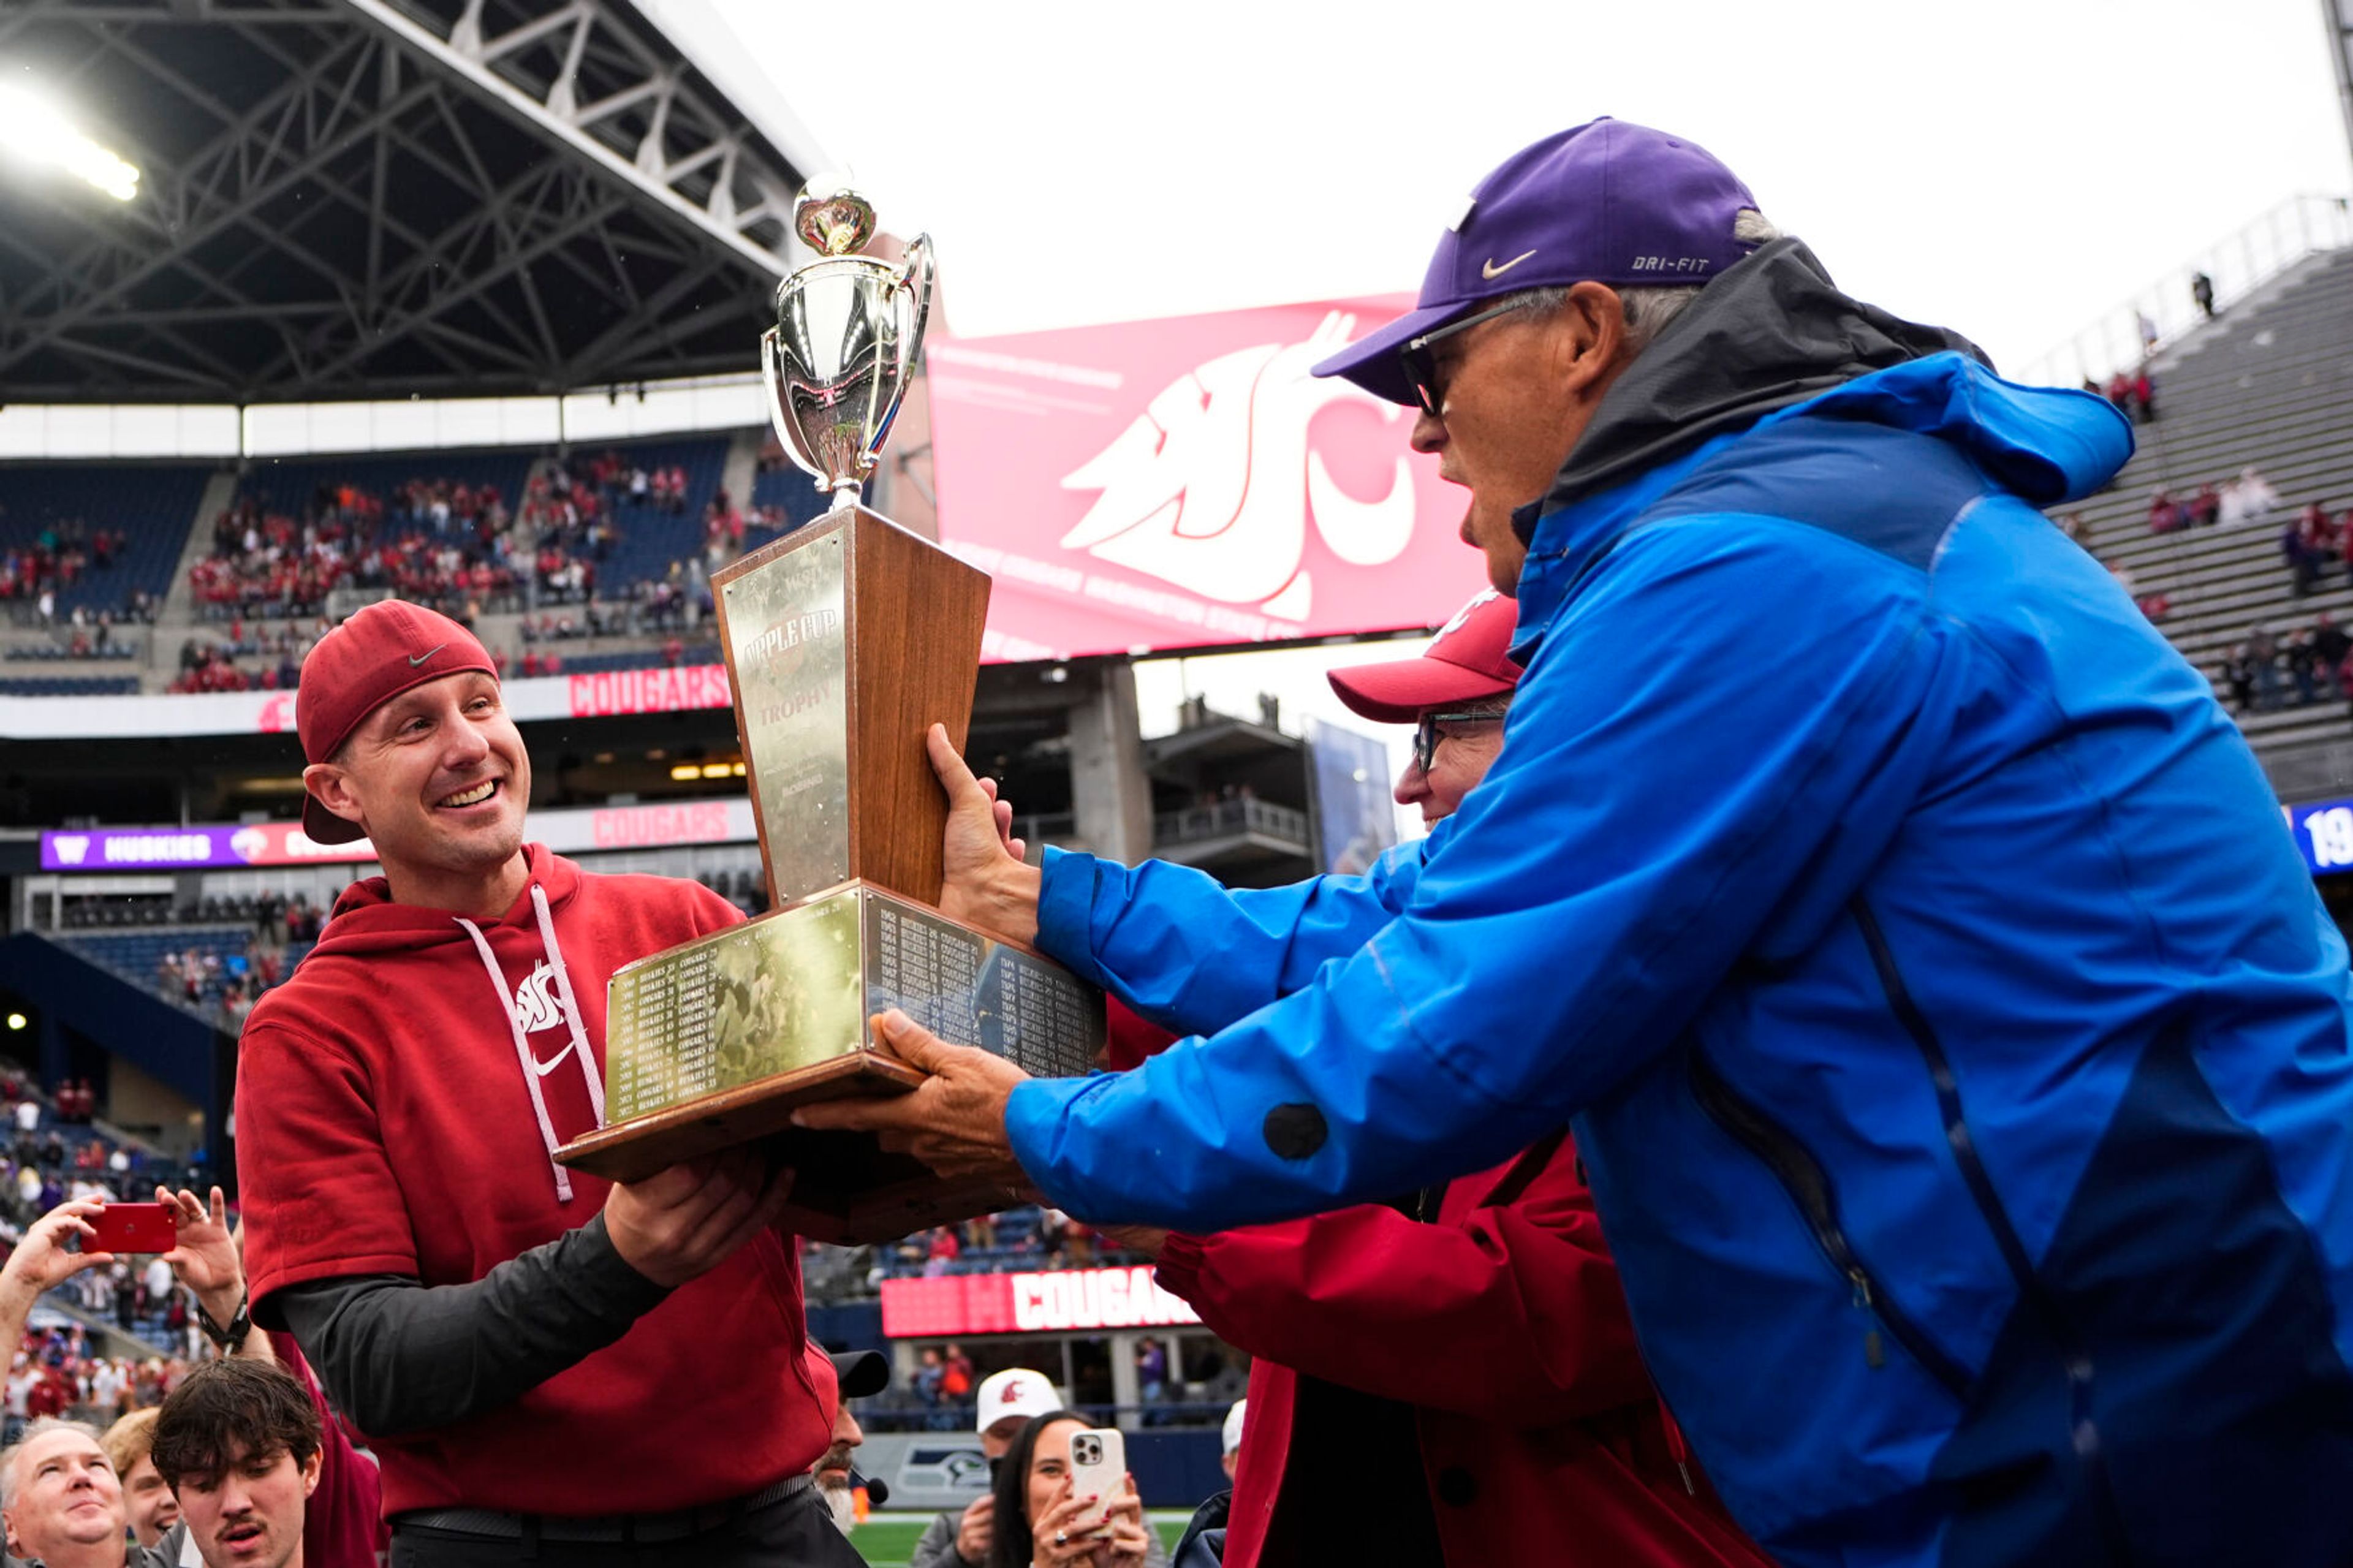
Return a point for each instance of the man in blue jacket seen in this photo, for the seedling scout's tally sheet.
(1956, 1045)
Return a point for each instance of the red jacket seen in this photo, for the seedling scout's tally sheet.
(1503, 1325)
(385, 1125)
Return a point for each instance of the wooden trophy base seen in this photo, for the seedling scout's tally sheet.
(845, 1190)
(713, 1045)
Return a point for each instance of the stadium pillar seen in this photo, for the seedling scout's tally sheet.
(1127, 1390)
(1111, 799)
(2338, 16)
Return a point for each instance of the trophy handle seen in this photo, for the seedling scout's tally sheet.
(775, 389)
(912, 289)
(916, 274)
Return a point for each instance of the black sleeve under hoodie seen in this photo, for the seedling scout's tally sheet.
(398, 1356)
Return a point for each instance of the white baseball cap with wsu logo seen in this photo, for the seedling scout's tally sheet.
(1015, 1391)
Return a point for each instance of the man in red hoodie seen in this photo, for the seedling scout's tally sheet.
(1464, 1354)
(512, 1337)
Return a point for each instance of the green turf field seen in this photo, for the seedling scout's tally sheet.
(885, 1539)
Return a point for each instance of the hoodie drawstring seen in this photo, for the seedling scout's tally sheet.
(571, 1008)
(523, 1049)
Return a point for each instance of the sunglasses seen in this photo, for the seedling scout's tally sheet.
(1421, 366)
(1426, 736)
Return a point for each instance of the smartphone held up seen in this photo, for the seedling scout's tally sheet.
(121, 1228)
(1098, 1469)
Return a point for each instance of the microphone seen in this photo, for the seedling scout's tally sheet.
(878, 1490)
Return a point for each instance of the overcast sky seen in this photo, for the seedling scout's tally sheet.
(2011, 168)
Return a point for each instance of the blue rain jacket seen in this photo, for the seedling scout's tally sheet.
(1955, 1041)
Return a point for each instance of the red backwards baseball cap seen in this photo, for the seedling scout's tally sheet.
(387, 649)
(1468, 660)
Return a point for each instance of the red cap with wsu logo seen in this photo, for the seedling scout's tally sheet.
(1470, 659)
(387, 649)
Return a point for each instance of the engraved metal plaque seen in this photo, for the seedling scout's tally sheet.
(793, 990)
(964, 986)
(784, 622)
(765, 997)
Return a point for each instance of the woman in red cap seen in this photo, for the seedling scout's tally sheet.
(1460, 1357)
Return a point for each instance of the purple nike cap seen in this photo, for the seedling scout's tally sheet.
(1609, 201)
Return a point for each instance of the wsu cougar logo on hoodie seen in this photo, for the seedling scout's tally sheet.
(537, 1007)
(1213, 487)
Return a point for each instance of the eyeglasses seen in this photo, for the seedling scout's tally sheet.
(1426, 736)
(1421, 366)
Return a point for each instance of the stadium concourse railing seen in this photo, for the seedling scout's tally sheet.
(2238, 264)
(1224, 818)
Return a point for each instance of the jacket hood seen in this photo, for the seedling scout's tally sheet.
(1771, 333)
(1771, 339)
(367, 920)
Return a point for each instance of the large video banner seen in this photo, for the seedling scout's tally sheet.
(1185, 482)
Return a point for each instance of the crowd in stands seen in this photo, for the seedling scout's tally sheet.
(208, 665)
(204, 978)
(55, 1372)
(53, 1156)
(613, 479)
(459, 547)
(2264, 672)
(438, 542)
(2133, 393)
(2247, 500)
(2314, 541)
(235, 949)
(59, 557)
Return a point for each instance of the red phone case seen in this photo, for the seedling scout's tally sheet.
(132, 1228)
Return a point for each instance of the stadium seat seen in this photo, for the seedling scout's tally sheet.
(2258, 388)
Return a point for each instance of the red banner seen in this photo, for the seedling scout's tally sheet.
(1184, 483)
(1048, 1302)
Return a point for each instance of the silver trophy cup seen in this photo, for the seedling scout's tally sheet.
(848, 330)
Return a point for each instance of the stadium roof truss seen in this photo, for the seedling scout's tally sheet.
(374, 198)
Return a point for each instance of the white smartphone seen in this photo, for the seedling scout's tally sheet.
(1098, 1468)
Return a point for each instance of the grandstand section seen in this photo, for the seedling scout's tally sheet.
(2267, 386)
(101, 538)
(591, 560)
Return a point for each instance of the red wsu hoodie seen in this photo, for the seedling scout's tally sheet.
(388, 1123)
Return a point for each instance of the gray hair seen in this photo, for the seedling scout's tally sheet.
(13, 1451)
(1649, 306)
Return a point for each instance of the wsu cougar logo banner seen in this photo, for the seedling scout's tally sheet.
(1186, 482)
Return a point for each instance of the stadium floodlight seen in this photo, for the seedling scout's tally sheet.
(37, 130)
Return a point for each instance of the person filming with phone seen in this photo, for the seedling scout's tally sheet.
(1064, 1498)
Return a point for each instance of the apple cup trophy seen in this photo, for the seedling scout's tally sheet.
(845, 640)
